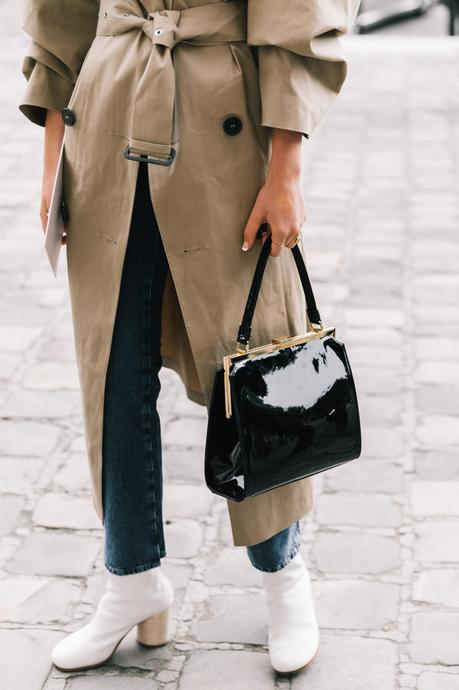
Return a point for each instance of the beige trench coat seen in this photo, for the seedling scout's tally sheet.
(162, 73)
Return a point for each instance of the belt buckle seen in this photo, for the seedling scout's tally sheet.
(144, 158)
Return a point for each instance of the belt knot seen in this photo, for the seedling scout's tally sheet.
(162, 27)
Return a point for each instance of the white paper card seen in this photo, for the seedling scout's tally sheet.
(55, 225)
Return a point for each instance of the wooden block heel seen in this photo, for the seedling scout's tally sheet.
(154, 631)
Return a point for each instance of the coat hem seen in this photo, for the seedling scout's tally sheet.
(272, 524)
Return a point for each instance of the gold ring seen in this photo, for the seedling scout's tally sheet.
(297, 240)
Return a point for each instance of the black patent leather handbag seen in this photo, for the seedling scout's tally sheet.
(282, 411)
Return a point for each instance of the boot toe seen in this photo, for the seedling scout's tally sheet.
(290, 655)
(73, 653)
(290, 658)
(65, 653)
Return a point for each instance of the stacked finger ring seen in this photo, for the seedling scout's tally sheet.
(295, 242)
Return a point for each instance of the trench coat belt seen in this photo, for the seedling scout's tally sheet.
(154, 101)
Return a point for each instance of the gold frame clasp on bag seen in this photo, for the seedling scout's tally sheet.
(275, 345)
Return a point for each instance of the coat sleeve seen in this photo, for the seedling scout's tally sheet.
(301, 62)
(61, 33)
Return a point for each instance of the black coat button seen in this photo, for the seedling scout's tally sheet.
(68, 116)
(232, 125)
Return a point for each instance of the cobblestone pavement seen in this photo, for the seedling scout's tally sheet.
(382, 544)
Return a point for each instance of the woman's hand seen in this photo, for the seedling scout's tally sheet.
(54, 133)
(280, 200)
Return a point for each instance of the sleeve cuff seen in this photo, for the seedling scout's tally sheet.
(45, 90)
(293, 120)
(296, 91)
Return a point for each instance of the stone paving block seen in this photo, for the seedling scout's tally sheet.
(233, 618)
(434, 638)
(63, 329)
(55, 684)
(232, 566)
(365, 259)
(375, 282)
(29, 403)
(435, 246)
(53, 603)
(356, 604)
(381, 443)
(184, 407)
(50, 297)
(430, 348)
(108, 682)
(65, 511)
(14, 591)
(18, 338)
(429, 327)
(430, 680)
(439, 586)
(187, 500)
(349, 552)
(366, 510)
(225, 536)
(421, 264)
(177, 573)
(94, 587)
(350, 662)
(387, 357)
(378, 409)
(28, 438)
(324, 262)
(185, 431)
(438, 431)
(441, 463)
(183, 538)
(25, 657)
(365, 475)
(73, 476)
(377, 335)
(373, 381)
(183, 465)
(52, 376)
(52, 349)
(444, 313)
(435, 498)
(54, 553)
(8, 365)
(10, 510)
(437, 372)
(227, 670)
(392, 318)
(77, 444)
(434, 399)
(437, 541)
(441, 294)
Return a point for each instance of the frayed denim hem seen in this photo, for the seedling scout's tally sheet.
(282, 564)
(135, 569)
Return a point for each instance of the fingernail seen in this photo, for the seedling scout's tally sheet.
(245, 246)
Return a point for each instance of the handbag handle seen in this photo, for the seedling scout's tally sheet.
(245, 328)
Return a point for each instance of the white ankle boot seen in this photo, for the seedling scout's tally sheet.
(293, 636)
(143, 599)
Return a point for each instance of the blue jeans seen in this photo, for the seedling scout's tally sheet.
(132, 482)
